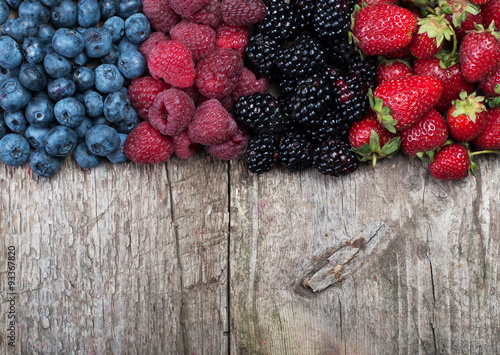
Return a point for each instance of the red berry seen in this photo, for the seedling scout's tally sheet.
(183, 147)
(187, 7)
(491, 13)
(210, 14)
(160, 15)
(145, 145)
(211, 124)
(428, 135)
(243, 12)
(452, 162)
(200, 39)
(232, 148)
(151, 42)
(491, 85)
(142, 93)
(489, 138)
(232, 37)
(466, 117)
(248, 84)
(479, 55)
(393, 69)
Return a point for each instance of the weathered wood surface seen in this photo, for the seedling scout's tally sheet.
(201, 257)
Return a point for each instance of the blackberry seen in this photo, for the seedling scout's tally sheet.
(332, 18)
(260, 53)
(262, 153)
(295, 151)
(334, 157)
(258, 112)
(332, 125)
(304, 11)
(279, 22)
(351, 97)
(364, 69)
(341, 52)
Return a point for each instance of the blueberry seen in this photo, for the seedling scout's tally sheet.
(8, 73)
(3, 128)
(33, 77)
(108, 8)
(36, 136)
(97, 42)
(35, 9)
(7, 27)
(101, 121)
(61, 88)
(93, 103)
(14, 149)
(89, 13)
(34, 50)
(116, 107)
(126, 8)
(131, 121)
(131, 64)
(119, 156)
(56, 65)
(137, 28)
(51, 3)
(4, 12)
(16, 121)
(69, 112)
(125, 45)
(108, 78)
(80, 60)
(14, 3)
(60, 141)
(116, 26)
(64, 14)
(112, 56)
(85, 158)
(68, 43)
(43, 164)
(45, 34)
(82, 129)
(40, 112)
(102, 140)
(24, 26)
(83, 78)
(13, 96)
(10, 53)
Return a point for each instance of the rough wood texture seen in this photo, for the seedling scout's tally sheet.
(201, 257)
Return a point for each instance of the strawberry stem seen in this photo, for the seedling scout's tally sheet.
(484, 152)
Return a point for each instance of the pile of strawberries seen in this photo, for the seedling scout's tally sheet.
(195, 59)
(438, 84)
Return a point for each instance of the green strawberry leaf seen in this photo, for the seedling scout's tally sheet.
(391, 147)
(436, 27)
(383, 112)
(374, 142)
(493, 102)
(497, 88)
(468, 105)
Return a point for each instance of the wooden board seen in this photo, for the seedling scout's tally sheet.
(201, 257)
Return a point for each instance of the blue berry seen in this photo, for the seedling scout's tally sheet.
(7, 27)
(83, 77)
(4, 12)
(93, 103)
(82, 129)
(56, 65)
(112, 56)
(89, 13)
(137, 28)
(10, 53)
(60, 141)
(132, 64)
(43, 164)
(14, 3)
(40, 112)
(85, 158)
(8, 73)
(97, 42)
(116, 26)
(35, 9)
(51, 3)
(108, 78)
(125, 45)
(126, 8)
(68, 43)
(131, 121)
(102, 140)
(69, 112)
(119, 156)
(36, 136)
(33, 77)
(64, 14)
(14, 149)
(116, 107)
(3, 128)
(13, 96)
(108, 8)
(45, 34)
(16, 121)
(24, 26)
(61, 88)
(101, 121)
(34, 50)
(80, 60)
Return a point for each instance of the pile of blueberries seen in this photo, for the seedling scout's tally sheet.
(64, 71)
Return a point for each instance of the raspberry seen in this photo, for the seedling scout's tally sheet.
(172, 61)
(232, 148)
(184, 148)
(142, 93)
(193, 92)
(226, 102)
(248, 84)
(171, 112)
(217, 74)
(200, 39)
(151, 42)
(210, 14)
(211, 124)
(243, 12)
(232, 37)
(187, 7)
(145, 145)
(160, 15)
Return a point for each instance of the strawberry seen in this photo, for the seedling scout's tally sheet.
(462, 15)
(427, 136)
(480, 2)
(489, 138)
(383, 28)
(491, 13)
(466, 117)
(451, 77)
(491, 85)
(393, 69)
(432, 31)
(452, 162)
(402, 102)
(479, 54)
(371, 141)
